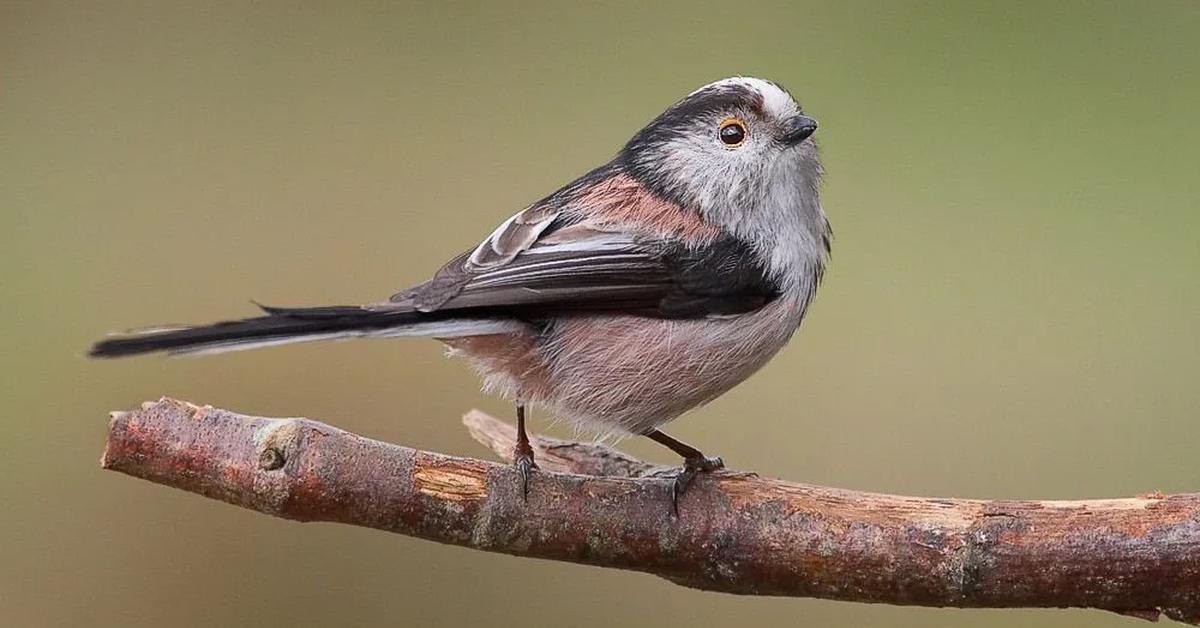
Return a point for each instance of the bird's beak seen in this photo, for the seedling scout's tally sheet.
(798, 129)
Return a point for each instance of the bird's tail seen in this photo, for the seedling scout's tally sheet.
(289, 325)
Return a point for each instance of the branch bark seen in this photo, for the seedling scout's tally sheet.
(736, 532)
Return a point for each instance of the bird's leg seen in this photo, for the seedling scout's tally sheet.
(523, 452)
(694, 461)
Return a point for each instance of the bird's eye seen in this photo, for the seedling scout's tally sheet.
(732, 132)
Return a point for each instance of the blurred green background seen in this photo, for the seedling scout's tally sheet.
(1013, 308)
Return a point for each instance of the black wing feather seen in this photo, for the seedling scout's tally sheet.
(670, 280)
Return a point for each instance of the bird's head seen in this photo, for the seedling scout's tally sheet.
(739, 151)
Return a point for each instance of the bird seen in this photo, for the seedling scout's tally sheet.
(645, 288)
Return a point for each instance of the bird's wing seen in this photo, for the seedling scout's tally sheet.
(542, 262)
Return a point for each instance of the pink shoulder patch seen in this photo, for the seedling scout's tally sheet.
(622, 201)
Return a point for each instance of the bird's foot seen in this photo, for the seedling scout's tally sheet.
(523, 461)
(691, 466)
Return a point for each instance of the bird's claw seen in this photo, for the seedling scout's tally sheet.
(691, 466)
(523, 461)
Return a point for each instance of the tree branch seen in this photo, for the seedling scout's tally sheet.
(736, 532)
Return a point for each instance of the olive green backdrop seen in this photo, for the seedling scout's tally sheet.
(1013, 307)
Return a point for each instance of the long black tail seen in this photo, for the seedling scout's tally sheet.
(279, 326)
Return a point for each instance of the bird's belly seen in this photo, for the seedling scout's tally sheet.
(613, 374)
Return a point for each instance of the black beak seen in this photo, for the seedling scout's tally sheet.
(798, 129)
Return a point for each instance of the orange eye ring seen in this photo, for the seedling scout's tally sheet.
(732, 132)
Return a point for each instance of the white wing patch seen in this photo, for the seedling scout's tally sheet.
(513, 236)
